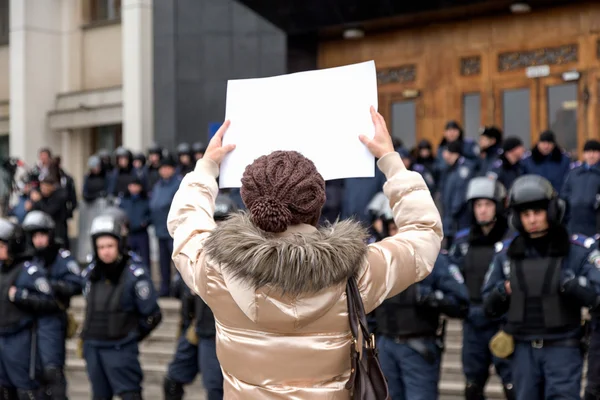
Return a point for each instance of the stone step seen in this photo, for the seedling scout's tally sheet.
(81, 390)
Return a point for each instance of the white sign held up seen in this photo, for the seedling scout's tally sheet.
(317, 113)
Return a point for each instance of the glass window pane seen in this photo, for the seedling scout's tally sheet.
(517, 114)
(404, 122)
(472, 114)
(562, 115)
(107, 137)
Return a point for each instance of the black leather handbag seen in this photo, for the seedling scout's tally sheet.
(367, 381)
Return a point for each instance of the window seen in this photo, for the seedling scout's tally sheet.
(516, 120)
(472, 114)
(404, 122)
(105, 10)
(562, 115)
(107, 137)
(4, 21)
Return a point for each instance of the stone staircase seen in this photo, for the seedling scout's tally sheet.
(157, 351)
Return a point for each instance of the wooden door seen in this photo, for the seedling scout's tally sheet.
(403, 112)
(562, 111)
(516, 109)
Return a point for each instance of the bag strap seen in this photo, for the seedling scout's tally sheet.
(356, 313)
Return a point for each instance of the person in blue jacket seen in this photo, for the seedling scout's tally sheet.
(25, 293)
(455, 215)
(490, 144)
(160, 203)
(121, 311)
(137, 207)
(409, 340)
(507, 168)
(547, 159)
(411, 165)
(468, 148)
(65, 280)
(581, 191)
(473, 251)
(541, 279)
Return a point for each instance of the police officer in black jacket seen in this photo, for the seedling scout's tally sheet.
(25, 293)
(541, 280)
(121, 310)
(473, 250)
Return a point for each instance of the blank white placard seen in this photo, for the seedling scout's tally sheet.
(317, 113)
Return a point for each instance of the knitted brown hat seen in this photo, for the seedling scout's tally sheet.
(283, 189)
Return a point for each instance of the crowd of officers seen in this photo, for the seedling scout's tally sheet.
(522, 260)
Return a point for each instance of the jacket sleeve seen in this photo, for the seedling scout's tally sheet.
(190, 222)
(496, 300)
(407, 257)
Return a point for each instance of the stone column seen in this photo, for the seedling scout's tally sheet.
(136, 17)
(35, 71)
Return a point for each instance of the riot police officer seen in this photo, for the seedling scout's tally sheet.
(121, 310)
(155, 154)
(65, 280)
(411, 332)
(198, 148)
(542, 279)
(196, 349)
(121, 176)
(184, 158)
(473, 250)
(24, 294)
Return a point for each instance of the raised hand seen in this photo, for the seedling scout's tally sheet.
(215, 150)
(381, 144)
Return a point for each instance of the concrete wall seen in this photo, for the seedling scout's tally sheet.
(4, 78)
(102, 65)
(198, 46)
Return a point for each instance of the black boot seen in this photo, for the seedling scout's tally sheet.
(8, 393)
(590, 396)
(56, 384)
(473, 392)
(131, 396)
(23, 394)
(509, 391)
(173, 390)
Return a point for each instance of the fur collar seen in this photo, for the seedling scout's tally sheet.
(556, 155)
(559, 244)
(295, 263)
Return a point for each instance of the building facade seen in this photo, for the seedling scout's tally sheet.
(78, 76)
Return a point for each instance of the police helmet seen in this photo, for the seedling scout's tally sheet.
(155, 149)
(183, 148)
(109, 224)
(36, 221)
(198, 147)
(13, 236)
(534, 191)
(94, 162)
(123, 152)
(104, 154)
(224, 206)
(379, 207)
(486, 188)
(140, 157)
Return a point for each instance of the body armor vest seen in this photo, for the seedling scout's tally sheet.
(536, 306)
(401, 316)
(10, 314)
(105, 318)
(205, 320)
(477, 262)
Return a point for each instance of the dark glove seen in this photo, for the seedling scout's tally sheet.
(578, 289)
